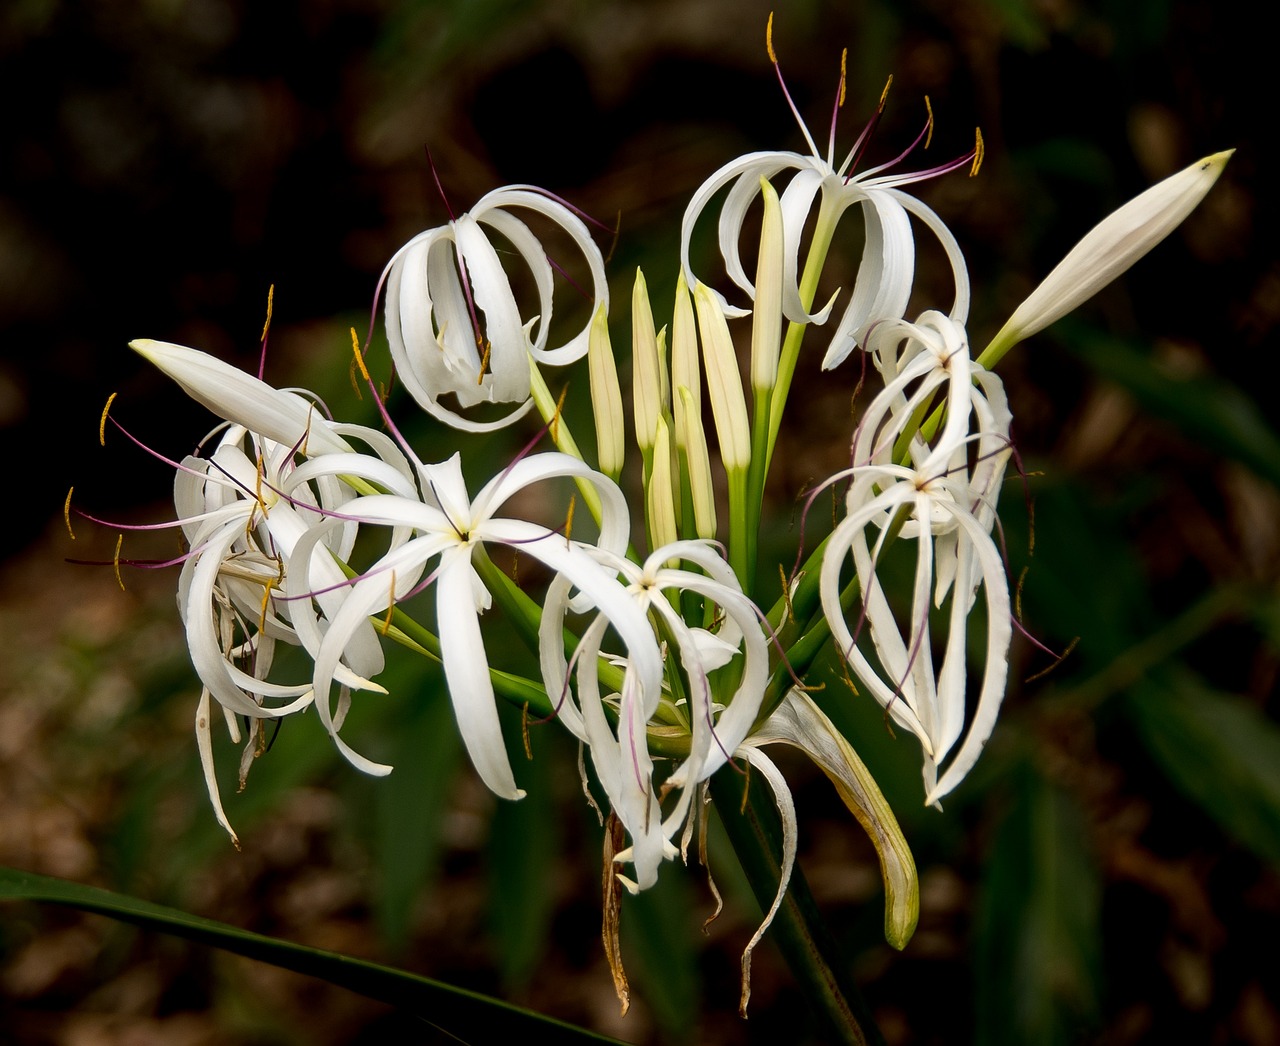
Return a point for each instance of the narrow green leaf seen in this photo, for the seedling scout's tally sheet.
(410, 806)
(1221, 752)
(523, 850)
(469, 1015)
(658, 948)
(1205, 409)
(1037, 925)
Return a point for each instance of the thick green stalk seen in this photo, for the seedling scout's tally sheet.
(814, 261)
(798, 928)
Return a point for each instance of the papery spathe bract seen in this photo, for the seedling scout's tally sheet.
(453, 322)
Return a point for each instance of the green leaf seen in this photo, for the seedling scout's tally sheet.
(469, 1015)
(523, 851)
(1221, 752)
(1037, 924)
(410, 806)
(1205, 409)
(657, 942)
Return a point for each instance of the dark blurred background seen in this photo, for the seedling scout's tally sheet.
(1110, 873)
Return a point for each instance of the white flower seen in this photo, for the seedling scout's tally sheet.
(621, 758)
(884, 279)
(944, 501)
(452, 318)
(450, 531)
(243, 510)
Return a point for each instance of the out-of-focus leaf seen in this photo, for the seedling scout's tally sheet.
(409, 808)
(1037, 926)
(658, 949)
(523, 850)
(466, 1014)
(1221, 752)
(1206, 409)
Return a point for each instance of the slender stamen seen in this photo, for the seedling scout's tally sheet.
(864, 139)
(102, 422)
(262, 359)
(773, 58)
(835, 109)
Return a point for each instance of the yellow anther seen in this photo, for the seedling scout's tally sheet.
(885, 93)
(391, 606)
(524, 732)
(844, 69)
(554, 426)
(102, 422)
(266, 326)
(928, 136)
(115, 562)
(768, 40)
(484, 361)
(266, 602)
(979, 151)
(359, 357)
(786, 592)
(568, 519)
(355, 385)
(66, 513)
(257, 486)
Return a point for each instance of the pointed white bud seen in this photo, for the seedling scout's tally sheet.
(242, 399)
(1110, 248)
(766, 323)
(646, 364)
(606, 397)
(724, 382)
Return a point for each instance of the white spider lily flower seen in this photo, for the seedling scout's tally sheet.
(450, 531)
(885, 275)
(1109, 248)
(621, 757)
(243, 511)
(453, 321)
(946, 505)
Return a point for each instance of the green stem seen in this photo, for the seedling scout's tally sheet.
(823, 232)
(799, 929)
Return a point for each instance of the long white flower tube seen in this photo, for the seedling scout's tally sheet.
(621, 758)
(453, 321)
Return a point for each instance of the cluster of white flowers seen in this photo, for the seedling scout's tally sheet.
(662, 665)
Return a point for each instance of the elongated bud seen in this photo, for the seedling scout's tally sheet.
(663, 529)
(1109, 249)
(646, 366)
(724, 383)
(686, 372)
(697, 462)
(242, 399)
(766, 323)
(606, 396)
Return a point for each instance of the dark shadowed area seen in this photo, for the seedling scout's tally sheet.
(1109, 871)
